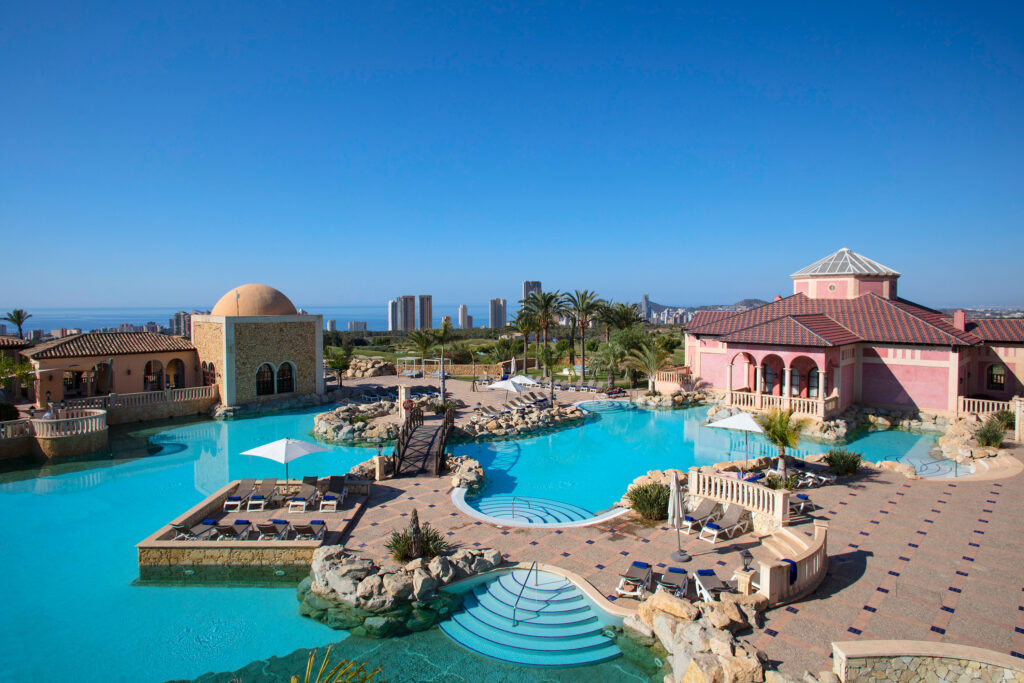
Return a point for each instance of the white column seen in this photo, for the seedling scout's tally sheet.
(787, 394)
(757, 379)
(1018, 427)
(728, 377)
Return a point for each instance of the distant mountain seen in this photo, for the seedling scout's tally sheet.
(743, 305)
(746, 304)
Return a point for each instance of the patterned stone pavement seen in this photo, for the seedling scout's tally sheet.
(922, 560)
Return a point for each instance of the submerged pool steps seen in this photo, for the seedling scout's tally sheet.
(531, 510)
(554, 625)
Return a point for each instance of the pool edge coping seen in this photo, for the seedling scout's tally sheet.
(459, 501)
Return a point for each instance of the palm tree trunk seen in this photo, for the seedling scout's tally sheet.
(783, 469)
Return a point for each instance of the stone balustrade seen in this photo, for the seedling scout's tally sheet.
(70, 422)
(980, 406)
(758, 499)
(15, 429)
(811, 407)
(782, 581)
(144, 398)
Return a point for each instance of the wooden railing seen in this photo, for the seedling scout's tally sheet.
(413, 419)
(144, 398)
(72, 422)
(756, 498)
(782, 581)
(446, 426)
(15, 428)
(980, 406)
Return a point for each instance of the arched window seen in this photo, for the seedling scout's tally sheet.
(794, 382)
(265, 380)
(812, 383)
(995, 378)
(767, 379)
(213, 373)
(285, 379)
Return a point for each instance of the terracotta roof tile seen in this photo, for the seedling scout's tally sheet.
(7, 342)
(108, 344)
(801, 330)
(704, 317)
(998, 329)
(870, 317)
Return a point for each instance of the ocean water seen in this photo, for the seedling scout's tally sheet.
(376, 317)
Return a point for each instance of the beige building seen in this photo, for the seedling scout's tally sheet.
(101, 363)
(255, 346)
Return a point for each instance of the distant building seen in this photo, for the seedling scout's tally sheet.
(181, 324)
(645, 307)
(531, 287)
(152, 326)
(35, 335)
(406, 313)
(392, 315)
(469, 322)
(356, 326)
(426, 312)
(3, 330)
(332, 325)
(497, 313)
(463, 317)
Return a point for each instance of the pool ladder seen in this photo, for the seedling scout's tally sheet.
(531, 570)
(514, 499)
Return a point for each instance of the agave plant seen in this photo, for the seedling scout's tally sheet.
(345, 671)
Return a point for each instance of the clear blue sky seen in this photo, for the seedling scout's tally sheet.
(159, 154)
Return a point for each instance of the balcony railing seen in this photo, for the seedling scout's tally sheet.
(813, 407)
(756, 498)
(980, 406)
(144, 398)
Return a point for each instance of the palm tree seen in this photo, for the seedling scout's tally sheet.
(443, 336)
(609, 357)
(18, 317)
(545, 307)
(584, 306)
(420, 341)
(549, 357)
(782, 431)
(524, 324)
(648, 359)
(625, 316)
(339, 361)
(606, 316)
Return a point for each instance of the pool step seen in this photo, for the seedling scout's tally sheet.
(531, 509)
(552, 624)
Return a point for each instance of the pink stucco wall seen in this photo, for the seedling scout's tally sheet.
(920, 386)
(846, 395)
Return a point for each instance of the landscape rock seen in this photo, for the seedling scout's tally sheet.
(423, 584)
(398, 584)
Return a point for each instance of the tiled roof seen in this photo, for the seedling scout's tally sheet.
(870, 318)
(998, 329)
(108, 344)
(845, 262)
(704, 317)
(7, 342)
(795, 330)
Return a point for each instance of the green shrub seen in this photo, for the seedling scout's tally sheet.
(774, 481)
(399, 546)
(361, 417)
(440, 408)
(8, 411)
(991, 433)
(650, 500)
(344, 671)
(842, 461)
(1005, 418)
(653, 393)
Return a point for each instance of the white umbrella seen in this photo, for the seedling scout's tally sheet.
(675, 515)
(525, 381)
(741, 422)
(284, 451)
(508, 385)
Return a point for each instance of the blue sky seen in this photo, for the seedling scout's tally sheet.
(161, 154)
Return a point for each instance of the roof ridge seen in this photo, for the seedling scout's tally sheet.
(801, 324)
(833, 320)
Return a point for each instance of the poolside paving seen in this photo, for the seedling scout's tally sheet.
(923, 560)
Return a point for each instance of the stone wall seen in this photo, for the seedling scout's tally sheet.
(208, 338)
(160, 411)
(70, 446)
(274, 342)
(20, 447)
(911, 661)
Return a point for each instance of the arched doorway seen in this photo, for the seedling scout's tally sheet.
(265, 380)
(286, 378)
(103, 379)
(153, 376)
(771, 375)
(743, 365)
(804, 378)
(175, 374)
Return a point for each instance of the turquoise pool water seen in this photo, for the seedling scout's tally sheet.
(70, 609)
(590, 466)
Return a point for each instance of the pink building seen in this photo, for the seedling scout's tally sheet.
(845, 337)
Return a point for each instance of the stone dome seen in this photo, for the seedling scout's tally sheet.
(254, 300)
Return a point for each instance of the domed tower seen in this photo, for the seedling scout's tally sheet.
(845, 275)
(255, 346)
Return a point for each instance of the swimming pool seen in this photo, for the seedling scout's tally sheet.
(590, 466)
(71, 610)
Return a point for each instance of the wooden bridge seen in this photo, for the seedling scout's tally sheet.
(419, 451)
